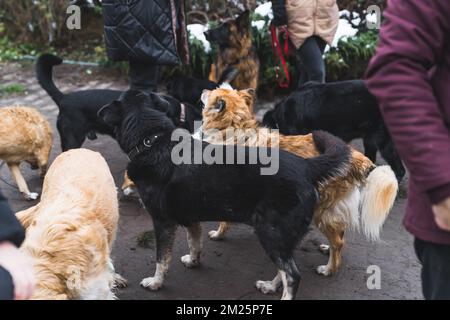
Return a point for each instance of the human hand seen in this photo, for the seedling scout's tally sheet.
(20, 268)
(441, 213)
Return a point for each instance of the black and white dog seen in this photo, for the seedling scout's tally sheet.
(279, 206)
(77, 118)
(345, 109)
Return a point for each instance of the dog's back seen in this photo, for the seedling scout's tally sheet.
(344, 108)
(24, 135)
(71, 231)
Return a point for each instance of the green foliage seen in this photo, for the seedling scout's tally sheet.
(10, 51)
(350, 58)
(13, 88)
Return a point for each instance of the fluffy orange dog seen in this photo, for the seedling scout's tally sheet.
(363, 197)
(70, 233)
(25, 135)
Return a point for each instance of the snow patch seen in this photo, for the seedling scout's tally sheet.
(259, 24)
(265, 10)
(196, 31)
(344, 30)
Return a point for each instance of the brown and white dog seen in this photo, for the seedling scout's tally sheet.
(361, 198)
(25, 135)
(70, 233)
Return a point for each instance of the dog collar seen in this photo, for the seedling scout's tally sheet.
(146, 143)
(182, 113)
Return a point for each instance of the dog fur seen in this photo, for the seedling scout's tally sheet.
(346, 109)
(70, 233)
(189, 89)
(280, 206)
(25, 135)
(237, 55)
(361, 197)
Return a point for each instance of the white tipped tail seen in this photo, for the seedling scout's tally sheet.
(377, 198)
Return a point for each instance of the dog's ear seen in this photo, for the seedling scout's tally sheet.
(160, 103)
(111, 113)
(243, 21)
(220, 105)
(249, 96)
(204, 97)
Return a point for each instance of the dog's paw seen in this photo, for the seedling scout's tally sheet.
(128, 191)
(119, 281)
(266, 287)
(324, 270)
(31, 196)
(189, 262)
(215, 235)
(324, 248)
(151, 283)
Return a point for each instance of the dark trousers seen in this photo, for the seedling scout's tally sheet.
(143, 76)
(435, 260)
(310, 61)
(6, 285)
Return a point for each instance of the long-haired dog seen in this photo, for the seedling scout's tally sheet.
(25, 135)
(363, 195)
(346, 109)
(279, 206)
(70, 233)
(237, 61)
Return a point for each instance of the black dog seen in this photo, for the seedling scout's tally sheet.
(189, 89)
(346, 109)
(77, 118)
(279, 207)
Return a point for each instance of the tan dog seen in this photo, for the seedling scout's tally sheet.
(363, 196)
(25, 135)
(70, 233)
(237, 54)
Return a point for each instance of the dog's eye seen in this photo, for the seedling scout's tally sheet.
(220, 105)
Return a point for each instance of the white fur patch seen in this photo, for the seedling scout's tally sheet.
(226, 85)
(377, 198)
(128, 191)
(32, 196)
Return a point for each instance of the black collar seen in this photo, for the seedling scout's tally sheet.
(146, 143)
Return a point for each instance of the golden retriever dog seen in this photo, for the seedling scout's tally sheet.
(361, 198)
(70, 233)
(25, 135)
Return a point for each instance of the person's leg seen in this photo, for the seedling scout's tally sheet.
(6, 285)
(435, 260)
(144, 76)
(311, 60)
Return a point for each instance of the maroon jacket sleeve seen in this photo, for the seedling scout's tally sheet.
(412, 43)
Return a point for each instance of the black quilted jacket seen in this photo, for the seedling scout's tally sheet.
(146, 31)
(10, 229)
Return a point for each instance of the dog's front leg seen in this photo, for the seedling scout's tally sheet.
(165, 235)
(194, 233)
(21, 183)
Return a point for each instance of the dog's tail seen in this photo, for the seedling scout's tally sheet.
(334, 160)
(377, 198)
(44, 67)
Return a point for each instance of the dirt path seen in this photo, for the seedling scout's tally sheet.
(231, 267)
